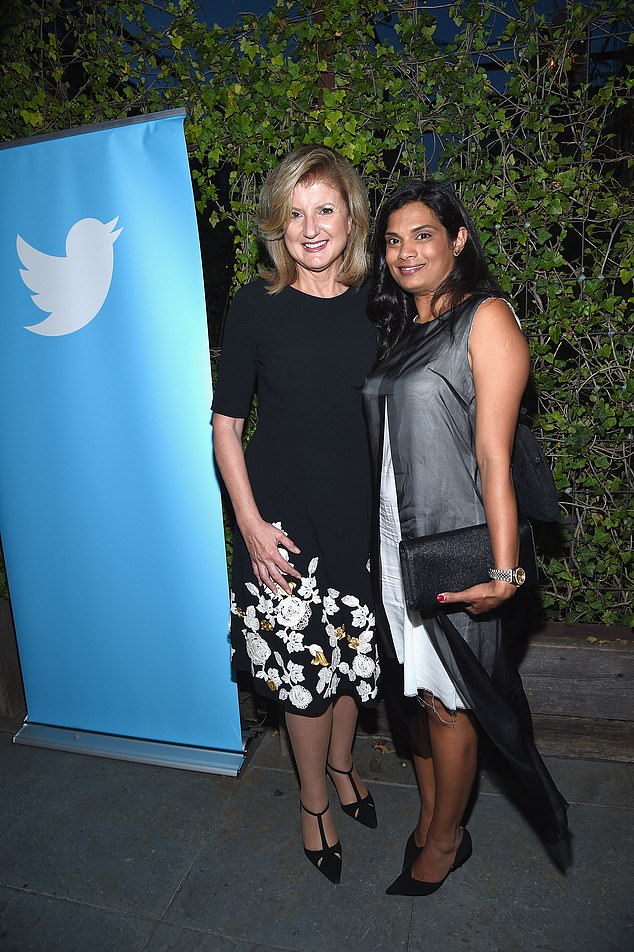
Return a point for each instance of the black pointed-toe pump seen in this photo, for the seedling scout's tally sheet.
(406, 885)
(412, 851)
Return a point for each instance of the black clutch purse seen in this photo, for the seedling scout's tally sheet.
(453, 561)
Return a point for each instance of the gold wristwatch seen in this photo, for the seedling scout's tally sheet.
(516, 576)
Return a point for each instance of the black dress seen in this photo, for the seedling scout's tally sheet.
(308, 464)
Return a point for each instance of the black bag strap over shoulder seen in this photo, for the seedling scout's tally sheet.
(537, 496)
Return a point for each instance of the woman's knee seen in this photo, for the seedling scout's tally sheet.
(437, 713)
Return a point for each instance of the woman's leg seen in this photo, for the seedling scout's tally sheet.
(344, 724)
(454, 747)
(310, 737)
(414, 717)
(424, 767)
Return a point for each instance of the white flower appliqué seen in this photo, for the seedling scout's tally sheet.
(292, 612)
(342, 648)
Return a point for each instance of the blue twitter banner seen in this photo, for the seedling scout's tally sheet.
(110, 511)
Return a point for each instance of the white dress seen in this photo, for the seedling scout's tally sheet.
(422, 668)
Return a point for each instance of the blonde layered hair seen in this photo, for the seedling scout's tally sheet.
(306, 165)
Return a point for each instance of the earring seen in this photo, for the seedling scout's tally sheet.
(456, 253)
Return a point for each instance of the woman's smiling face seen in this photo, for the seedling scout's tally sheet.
(418, 250)
(320, 224)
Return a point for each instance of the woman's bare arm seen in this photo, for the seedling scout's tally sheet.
(261, 538)
(499, 359)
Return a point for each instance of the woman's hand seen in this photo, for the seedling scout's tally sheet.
(261, 538)
(267, 560)
(482, 598)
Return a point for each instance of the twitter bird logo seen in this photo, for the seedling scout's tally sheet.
(72, 289)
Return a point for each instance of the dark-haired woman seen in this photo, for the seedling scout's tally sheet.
(442, 404)
(301, 615)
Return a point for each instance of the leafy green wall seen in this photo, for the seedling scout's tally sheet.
(530, 116)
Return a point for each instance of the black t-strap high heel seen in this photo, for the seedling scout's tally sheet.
(327, 860)
(362, 809)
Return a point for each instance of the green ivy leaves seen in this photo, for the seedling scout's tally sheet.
(504, 103)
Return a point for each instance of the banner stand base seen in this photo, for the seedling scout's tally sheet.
(202, 759)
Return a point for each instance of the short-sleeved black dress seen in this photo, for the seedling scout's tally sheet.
(308, 463)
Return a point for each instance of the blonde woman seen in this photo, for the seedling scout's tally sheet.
(302, 620)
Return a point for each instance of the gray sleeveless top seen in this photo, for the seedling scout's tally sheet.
(426, 389)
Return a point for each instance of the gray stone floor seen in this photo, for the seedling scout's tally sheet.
(105, 856)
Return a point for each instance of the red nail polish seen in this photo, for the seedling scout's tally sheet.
(440, 598)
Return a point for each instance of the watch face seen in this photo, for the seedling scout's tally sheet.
(520, 575)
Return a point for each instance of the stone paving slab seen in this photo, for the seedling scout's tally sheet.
(170, 938)
(253, 882)
(34, 923)
(111, 833)
(580, 781)
(100, 855)
(26, 774)
(590, 908)
(510, 898)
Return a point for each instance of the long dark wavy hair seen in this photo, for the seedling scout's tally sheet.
(392, 309)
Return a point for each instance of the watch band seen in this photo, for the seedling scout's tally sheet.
(516, 576)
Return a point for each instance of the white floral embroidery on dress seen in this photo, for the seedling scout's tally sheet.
(285, 617)
(363, 666)
(293, 640)
(299, 696)
(364, 691)
(257, 648)
(293, 612)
